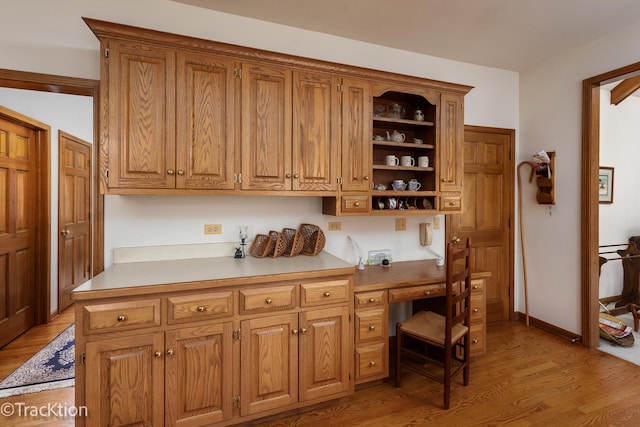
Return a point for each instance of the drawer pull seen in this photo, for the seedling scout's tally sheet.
(372, 363)
(475, 310)
(356, 204)
(268, 300)
(327, 294)
(372, 327)
(452, 203)
(475, 341)
(201, 308)
(121, 318)
(158, 353)
(170, 352)
(427, 292)
(475, 286)
(294, 332)
(303, 330)
(372, 300)
(180, 172)
(170, 172)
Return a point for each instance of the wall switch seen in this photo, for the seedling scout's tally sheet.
(401, 224)
(335, 226)
(213, 229)
(436, 223)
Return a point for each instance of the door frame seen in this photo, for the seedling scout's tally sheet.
(71, 86)
(590, 205)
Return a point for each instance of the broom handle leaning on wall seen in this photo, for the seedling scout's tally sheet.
(524, 258)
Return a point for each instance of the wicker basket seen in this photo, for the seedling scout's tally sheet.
(261, 246)
(314, 239)
(294, 241)
(278, 243)
(613, 329)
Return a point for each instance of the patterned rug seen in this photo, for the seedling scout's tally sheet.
(51, 368)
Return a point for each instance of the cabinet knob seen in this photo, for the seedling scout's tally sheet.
(427, 292)
(372, 363)
(158, 353)
(327, 294)
(366, 178)
(444, 180)
(295, 175)
(475, 310)
(372, 300)
(452, 203)
(294, 332)
(121, 318)
(65, 232)
(268, 300)
(201, 308)
(303, 330)
(475, 286)
(180, 172)
(170, 172)
(356, 204)
(455, 239)
(372, 327)
(475, 341)
(288, 176)
(170, 352)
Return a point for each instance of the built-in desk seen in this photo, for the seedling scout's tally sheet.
(376, 287)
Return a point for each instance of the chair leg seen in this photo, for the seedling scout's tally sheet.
(398, 353)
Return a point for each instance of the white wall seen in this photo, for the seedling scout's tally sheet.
(70, 113)
(620, 149)
(55, 40)
(550, 119)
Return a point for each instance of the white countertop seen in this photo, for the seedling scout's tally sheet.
(136, 274)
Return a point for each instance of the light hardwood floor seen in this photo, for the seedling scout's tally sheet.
(527, 378)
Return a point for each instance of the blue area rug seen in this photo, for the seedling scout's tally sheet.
(51, 368)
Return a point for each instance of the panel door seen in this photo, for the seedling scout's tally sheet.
(316, 132)
(205, 141)
(17, 230)
(450, 147)
(199, 375)
(356, 135)
(269, 363)
(326, 357)
(141, 130)
(125, 381)
(74, 216)
(266, 127)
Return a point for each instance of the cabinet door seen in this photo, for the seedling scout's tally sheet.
(266, 127)
(198, 375)
(356, 135)
(326, 355)
(205, 155)
(316, 131)
(141, 122)
(269, 363)
(451, 156)
(124, 381)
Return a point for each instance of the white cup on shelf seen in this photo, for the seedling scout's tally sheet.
(407, 161)
(423, 161)
(392, 160)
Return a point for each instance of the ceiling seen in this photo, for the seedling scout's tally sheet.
(507, 34)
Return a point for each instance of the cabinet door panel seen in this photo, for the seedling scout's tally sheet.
(124, 381)
(451, 155)
(324, 347)
(316, 131)
(356, 135)
(198, 374)
(266, 127)
(141, 130)
(205, 122)
(269, 366)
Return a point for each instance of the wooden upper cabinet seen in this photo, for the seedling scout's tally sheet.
(205, 143)
(316, 131)
(141, 120)
(451, 144)
(266, 127)
(356, 135)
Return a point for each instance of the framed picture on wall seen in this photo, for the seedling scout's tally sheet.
(605, 184)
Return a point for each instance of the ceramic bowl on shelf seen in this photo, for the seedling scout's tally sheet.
(399, 187)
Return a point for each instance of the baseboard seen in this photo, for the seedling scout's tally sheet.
(547, 327)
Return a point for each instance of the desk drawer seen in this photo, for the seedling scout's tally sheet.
(355, 204)
(121, 316)
(267, 299)
(196, 307)
(371, 362)
(328, 292)
(370, 325)
(478, 340)
(370, 299)
(416, 292)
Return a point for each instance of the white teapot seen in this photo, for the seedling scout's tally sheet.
(395, 136)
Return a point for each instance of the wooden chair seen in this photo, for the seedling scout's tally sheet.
(419, 337)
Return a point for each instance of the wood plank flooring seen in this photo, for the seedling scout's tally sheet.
(527, 378)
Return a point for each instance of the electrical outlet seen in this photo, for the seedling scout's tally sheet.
(436, 223)
(213, 229)
(335, 226)
(401, 224)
